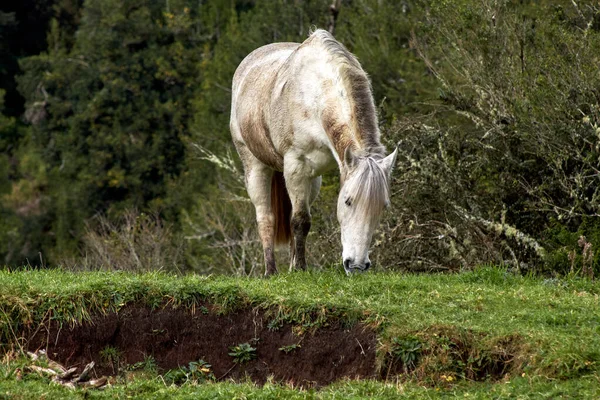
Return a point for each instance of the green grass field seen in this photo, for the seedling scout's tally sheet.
(546, 330)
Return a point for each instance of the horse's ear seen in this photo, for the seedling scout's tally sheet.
(348, 158)
(387, 163)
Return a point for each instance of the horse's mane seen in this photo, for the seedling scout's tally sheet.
(357, 84)
(369, 188)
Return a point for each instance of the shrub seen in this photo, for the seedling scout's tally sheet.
(508, 156)
(135, 242)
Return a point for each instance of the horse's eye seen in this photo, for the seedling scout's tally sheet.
(348, 202)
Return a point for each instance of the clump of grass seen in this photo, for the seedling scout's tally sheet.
(112, 356)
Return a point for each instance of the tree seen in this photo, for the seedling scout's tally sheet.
(110, 114)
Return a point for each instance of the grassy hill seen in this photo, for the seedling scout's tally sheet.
(483, 334)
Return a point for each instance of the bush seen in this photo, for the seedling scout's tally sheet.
(221, 227)
(509, 155)
(135, 242)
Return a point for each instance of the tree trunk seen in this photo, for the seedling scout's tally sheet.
(334, 10)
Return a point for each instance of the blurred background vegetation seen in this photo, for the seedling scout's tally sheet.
(115, 148)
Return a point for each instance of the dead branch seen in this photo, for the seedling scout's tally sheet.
(63, 376)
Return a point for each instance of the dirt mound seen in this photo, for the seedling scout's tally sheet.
(176, 336)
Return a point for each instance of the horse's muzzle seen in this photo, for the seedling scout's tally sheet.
(352, 268)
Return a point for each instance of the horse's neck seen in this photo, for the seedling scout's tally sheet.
(341, 119)
(344, 134)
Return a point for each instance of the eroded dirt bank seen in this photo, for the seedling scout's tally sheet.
(175, 337)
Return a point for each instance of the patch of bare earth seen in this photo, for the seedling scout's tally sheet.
(176, 336)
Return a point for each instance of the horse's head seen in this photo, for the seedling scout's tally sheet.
(363, 196)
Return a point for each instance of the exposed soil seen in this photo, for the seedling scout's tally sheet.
(176, 336)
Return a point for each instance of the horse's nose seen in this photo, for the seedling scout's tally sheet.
(350, 267)
(347, 264)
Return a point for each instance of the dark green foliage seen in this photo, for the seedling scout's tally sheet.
(574, 252)
(111, 113)
(147, 365)
(13, 227)
(511, 153)
(196, 372)
(23, 29)
(407, 351)
(242, 353)
(378, 33)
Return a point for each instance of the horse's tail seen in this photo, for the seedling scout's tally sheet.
(282, 209)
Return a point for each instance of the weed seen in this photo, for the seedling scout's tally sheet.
(147, 365)
(407, 350)
(111, 355)
(177, 376)
(242, 353)
(200, 368)
(196, 372)
(275, 324)
(290, 348)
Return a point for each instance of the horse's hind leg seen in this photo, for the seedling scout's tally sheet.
(258, 185)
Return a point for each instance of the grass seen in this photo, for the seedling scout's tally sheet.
(155, 388)
(550, 327)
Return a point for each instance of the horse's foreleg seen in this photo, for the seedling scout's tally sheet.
(301, 222)
(301, 192)
(258, 184)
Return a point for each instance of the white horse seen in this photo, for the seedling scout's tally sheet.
(298, 110)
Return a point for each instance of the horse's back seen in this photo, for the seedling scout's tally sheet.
(267, 59)
(251, 93)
